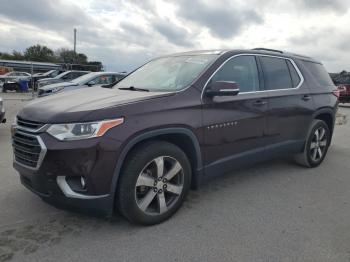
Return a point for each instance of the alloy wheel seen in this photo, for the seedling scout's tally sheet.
(159, 185)
(318, 144)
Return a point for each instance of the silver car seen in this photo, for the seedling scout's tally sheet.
(63, 77)
(88, 80)
(14, 77)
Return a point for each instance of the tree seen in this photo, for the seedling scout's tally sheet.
(65, 55)
(69, 57)
(39, 53)
(5, 56)
(81, 59)
(17, 55)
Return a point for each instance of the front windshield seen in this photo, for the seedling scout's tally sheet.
(48, 72)
(168, 73)
(83, 79)
(61, 75)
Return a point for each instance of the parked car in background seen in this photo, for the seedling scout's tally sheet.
(88, 80)
(48, 74)
(344, 93)
(2, 111)
(12, 81)
(14, 76)
(176, 121)
(63, 77)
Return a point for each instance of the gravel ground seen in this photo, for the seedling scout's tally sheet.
(274, 211)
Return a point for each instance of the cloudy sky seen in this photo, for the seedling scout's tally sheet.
(124, 34)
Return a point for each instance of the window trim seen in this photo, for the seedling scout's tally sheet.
(290, 73)
(256, 56)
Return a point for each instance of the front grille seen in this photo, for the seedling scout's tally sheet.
(26, 149)
(29, 124)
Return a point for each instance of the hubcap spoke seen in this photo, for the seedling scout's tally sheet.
(161, 202)
(317, 134)
(173, 171)
(160, 166)
(146, 201)
(319, 152)
(314, 154)
(323, 132)
(175, 189)
(145, 180)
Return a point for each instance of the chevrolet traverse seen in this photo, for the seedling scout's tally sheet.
(176, 121)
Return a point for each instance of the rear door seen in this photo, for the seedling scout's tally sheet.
(234, 125)
(290, 106)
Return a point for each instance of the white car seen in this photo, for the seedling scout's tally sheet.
(88, 80)
(14, 76)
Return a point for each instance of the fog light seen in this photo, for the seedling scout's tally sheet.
(82, 182)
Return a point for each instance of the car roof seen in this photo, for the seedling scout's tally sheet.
(261, 51)
(78, 71)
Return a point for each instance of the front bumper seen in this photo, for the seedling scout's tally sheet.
(49, 191)
(65, 163)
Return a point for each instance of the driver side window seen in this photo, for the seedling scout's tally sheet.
(243, 70)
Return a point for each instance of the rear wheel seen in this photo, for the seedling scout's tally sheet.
(154, 183)
(316, 145)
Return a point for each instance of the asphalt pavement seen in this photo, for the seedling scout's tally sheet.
(273, 211)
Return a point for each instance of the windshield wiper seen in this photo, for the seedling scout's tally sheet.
(132, 88)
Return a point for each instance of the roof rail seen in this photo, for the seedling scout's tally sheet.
(302, 56)
(267, 49)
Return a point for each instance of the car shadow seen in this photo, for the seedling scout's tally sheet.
(27, 238)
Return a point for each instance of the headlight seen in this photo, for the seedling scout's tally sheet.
(78, 131)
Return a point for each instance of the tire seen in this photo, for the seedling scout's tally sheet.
(316, 146)
(18, 88)
(148, 194)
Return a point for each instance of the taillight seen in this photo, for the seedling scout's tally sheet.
(336, 93)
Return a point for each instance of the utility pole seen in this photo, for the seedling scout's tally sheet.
(32, 80)
(75, 44)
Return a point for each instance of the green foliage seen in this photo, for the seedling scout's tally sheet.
(39, 53)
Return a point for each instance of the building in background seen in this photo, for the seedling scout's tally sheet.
(26, 66)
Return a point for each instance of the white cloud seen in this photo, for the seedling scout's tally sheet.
(125, 33)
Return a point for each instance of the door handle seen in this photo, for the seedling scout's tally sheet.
(306, 97)
(260, 103)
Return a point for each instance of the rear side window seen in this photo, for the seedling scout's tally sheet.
(293, 74)
(242, 70)
(319, 73)
(276, 73)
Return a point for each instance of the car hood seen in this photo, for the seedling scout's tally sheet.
(57, 85)
(75, 105)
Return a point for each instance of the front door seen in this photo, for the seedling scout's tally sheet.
(234, 125)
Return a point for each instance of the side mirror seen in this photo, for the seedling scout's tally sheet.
(222, 88)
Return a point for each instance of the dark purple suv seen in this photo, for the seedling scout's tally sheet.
(171, 124)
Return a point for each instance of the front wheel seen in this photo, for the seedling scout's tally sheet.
(154, 182)
(316, 145)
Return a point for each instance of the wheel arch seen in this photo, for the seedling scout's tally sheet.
(328, 116)
(182, 137)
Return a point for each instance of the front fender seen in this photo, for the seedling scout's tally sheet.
(147, 135)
